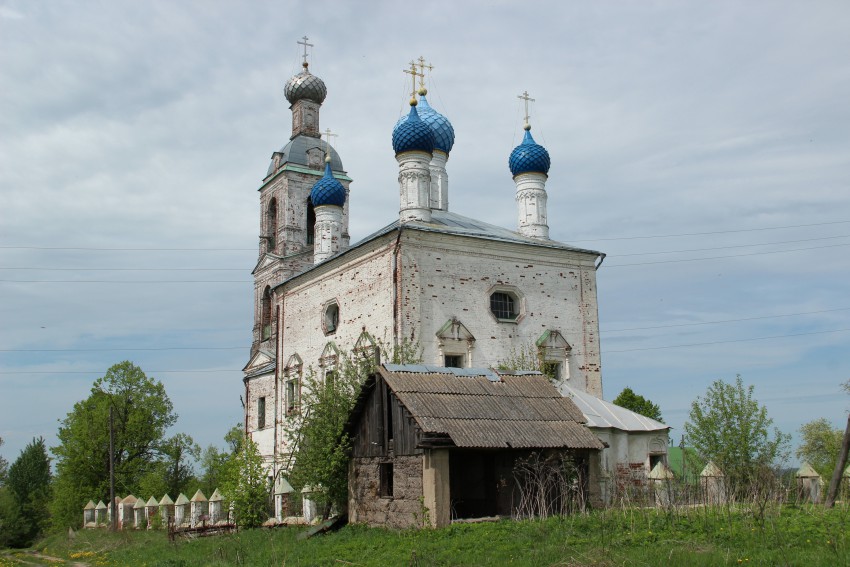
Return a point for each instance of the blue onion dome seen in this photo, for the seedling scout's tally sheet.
(305, 85)
(529, 156)
(413, 134)
(444, 133)
(327, 190)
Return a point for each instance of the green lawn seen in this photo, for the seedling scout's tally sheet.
(728, 536)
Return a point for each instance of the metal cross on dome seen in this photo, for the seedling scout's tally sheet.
(422, 66)
(413, 74)
(329, 135)
(306, 45)
(524, 96)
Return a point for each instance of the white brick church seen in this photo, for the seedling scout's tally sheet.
(467, 291)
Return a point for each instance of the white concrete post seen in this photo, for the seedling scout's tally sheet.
(414, 182)
(531, 205)
(328, 232)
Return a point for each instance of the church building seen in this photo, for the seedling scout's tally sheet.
(468, 292)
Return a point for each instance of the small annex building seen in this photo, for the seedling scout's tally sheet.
(433, 444)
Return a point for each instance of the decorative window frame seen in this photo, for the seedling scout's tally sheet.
(329, 360)
(366, 348)
(552, 347)
(519, 302)
(330, 317)
(292, 378)
(454, 339)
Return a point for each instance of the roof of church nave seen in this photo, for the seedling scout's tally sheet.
(445, 222)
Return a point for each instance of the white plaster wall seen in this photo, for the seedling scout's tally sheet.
(445, 276)
(264, 438)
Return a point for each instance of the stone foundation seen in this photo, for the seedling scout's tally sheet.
(366, 506)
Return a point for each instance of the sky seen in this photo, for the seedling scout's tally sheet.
(704, 147)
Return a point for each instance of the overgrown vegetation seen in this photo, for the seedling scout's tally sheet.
(24, 490)
(693, 536)
(322, 449)
(730, 428)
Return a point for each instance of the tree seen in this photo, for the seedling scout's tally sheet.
(321, 445)
(730, 428)
(527, 357)
(173, 472)
(246, 486)
(631, 401)
(142, 413)
(4, 466)
(29, 486)
(820, 445)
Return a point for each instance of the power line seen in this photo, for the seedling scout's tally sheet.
(730, 246)
(728, 341)
(723, 257)
(725, 320)
(129, 249)
(116, 349)
(132, 269)
(127, 281)
(102, 371)
(712, 232)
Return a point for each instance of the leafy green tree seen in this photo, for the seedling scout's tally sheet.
(631, 401)
(4, 466)
(730, 428)
(173, 472)
(820, 445)
(13, 526)
(246, 486)
(29, 486)
(527, 357)
(142, 413)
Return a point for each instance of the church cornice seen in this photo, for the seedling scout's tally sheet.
(301, 169)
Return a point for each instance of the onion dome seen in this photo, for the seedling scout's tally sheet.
(413, 134)
(328, 190)
(305, 85)
(444, 133)
(529, 156)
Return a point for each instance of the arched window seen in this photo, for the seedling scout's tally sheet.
(271, 223)
(311, 222)
(266, 314)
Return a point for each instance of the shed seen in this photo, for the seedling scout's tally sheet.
(452, 440)
(100, 513)
(217, 514)
(88, 515)
(166, 510)
(199, 508)
(181, 510)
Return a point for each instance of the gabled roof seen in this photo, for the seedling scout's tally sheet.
(166, 501)
(199, 497)
(90, 506)
(181, 500)
(477, 408)
(151, 502)
(216, 496)
(602, 414)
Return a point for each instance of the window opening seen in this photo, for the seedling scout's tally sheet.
(261, 413)
(552, 370)
(292, 395)
(388, 406)
(311, 222)
(272, 223)
(331, 318)
(453, 361)
(330, 378)
(654, 460)
(503, 305)
(266, 314)
(385, 472)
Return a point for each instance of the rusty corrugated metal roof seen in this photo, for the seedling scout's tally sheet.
(476, 411)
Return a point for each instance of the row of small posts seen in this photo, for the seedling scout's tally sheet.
(136, 513)
(713, 484)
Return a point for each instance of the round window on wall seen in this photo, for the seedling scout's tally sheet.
(330, 319)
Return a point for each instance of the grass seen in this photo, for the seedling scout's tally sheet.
(788, 535)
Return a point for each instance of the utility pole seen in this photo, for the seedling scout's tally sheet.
(114, 519)
(839, 468)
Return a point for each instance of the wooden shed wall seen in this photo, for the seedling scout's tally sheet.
(371, 434)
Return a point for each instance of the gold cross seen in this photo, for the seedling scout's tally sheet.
(328, 141)
(306, 45)
(413, 74)
(422, 66)
(524, 96)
